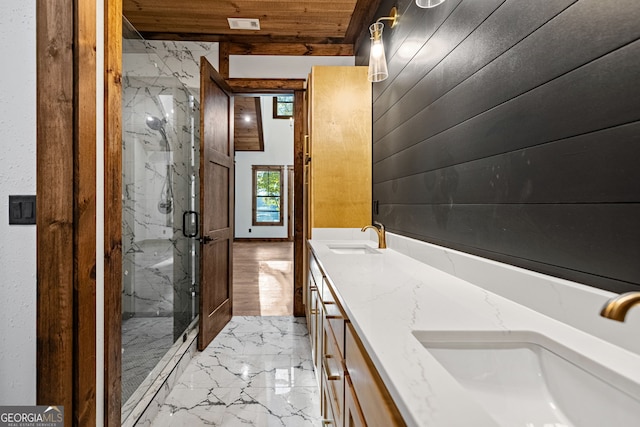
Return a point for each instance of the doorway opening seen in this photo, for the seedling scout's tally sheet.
(263, 272)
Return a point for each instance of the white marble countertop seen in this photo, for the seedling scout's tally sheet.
(388, 296)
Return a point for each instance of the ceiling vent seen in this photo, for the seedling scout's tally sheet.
(244, 24)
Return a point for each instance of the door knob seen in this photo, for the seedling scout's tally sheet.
(207, 239)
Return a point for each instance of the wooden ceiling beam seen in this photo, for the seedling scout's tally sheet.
(223, 60)
(205, 37)
(260, 86)
(291, 49)
(363, 16)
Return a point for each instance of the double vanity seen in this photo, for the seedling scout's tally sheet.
(421, 335)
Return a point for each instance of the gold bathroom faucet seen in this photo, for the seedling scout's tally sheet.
(616, 308)
(382, 237)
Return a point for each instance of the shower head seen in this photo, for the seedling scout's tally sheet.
(155, 123)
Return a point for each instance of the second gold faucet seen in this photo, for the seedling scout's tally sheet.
(616, 308)
(379, 228)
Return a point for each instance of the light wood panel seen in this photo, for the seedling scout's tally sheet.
(262, 278)
(54, 204)
(340, 140)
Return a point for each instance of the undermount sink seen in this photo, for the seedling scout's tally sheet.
(352, 249)
(526, 379)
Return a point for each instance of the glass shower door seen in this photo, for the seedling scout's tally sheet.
(160, 199)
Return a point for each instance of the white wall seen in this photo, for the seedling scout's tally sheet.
(183, 58)
(278, 150)
(17, 176)
(280, 67)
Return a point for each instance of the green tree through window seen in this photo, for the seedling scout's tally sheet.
(267, 195)
(282, 106)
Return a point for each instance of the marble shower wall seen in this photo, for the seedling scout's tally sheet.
(158, 259)
(183, 58)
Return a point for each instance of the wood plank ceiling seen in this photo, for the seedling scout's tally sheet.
(287, 27)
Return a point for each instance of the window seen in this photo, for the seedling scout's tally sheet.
(283, 106)
(267, 195)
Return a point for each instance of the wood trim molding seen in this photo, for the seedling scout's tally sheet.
(298, 197)
(223, 60)
(290, 49)
(265, 86)
(205, 37)
(84, 206)
(290, 201)
(259, 122)
(55, 203)
(113, 205)
(254, 195)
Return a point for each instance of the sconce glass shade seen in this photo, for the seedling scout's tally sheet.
(428, 3)
(377, 60)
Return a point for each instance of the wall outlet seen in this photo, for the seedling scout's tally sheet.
(249, 230)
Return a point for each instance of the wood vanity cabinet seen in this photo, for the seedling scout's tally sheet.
(369, 392)
(353, 394)
(333, 366)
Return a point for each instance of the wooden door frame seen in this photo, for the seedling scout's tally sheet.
(66, 194)
(290, 202)
(266, 87)
(299, 237)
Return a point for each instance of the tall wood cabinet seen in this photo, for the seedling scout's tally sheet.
(338, 148)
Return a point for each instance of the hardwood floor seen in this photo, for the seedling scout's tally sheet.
(263, 278)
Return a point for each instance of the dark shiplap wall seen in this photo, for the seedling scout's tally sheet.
(510, 129)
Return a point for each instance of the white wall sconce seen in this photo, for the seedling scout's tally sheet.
(377, 60)
(426, 4)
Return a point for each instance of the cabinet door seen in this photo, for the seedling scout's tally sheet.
(340, 132)
(316, 339)
(310, 309)
(327, 410)
(352, 412)
(377, 405)
(317, 357)
(333, 372)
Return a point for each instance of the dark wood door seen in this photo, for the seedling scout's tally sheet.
(216, 203)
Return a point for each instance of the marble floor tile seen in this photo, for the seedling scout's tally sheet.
(250, 406)
(257, 372)
(225, 370)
